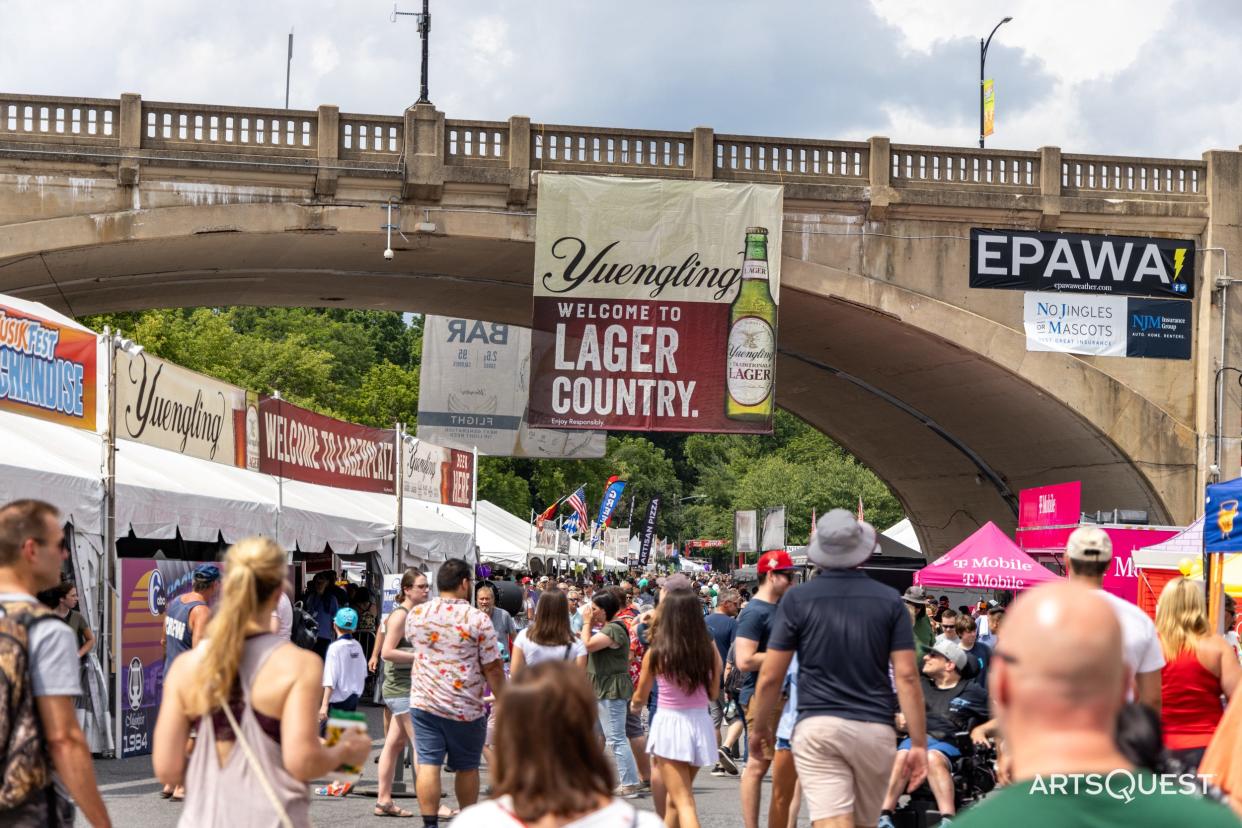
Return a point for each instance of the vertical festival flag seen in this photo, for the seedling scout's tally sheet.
(989, 107)
(612, 496)
(655, 305)
(649, 525)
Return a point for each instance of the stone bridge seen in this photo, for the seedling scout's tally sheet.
(119, 204)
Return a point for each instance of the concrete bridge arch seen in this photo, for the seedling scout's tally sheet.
(883, 346)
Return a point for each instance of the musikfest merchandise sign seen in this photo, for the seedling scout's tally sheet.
(48, 367)
(655, 305)
(473, 384)
(173, 408)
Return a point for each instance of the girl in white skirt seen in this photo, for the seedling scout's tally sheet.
(685, 664)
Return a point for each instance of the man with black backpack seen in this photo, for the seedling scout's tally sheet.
(39, 731)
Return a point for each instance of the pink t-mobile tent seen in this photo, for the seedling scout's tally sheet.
(988, 559)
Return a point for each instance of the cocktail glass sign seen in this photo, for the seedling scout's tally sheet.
(1220, 530)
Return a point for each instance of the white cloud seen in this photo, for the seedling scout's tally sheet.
(1152, 77)
(1075, 40)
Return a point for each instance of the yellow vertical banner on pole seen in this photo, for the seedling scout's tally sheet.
(989, 106)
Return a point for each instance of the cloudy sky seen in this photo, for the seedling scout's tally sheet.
(1146, 77)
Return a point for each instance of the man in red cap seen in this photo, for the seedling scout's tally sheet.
(776, 576)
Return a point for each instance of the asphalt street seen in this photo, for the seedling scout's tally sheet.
(132, 795)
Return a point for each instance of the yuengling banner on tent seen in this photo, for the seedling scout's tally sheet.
(474, 381)
(655, 304)
(314, 448)
(437, 474)
(170, 407)
(47, 370)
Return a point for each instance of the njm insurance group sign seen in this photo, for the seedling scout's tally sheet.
(1093, 294)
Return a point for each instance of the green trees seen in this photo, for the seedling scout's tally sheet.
(363, 366)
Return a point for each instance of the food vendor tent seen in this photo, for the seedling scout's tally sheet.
(986, 560)
(1161, 563)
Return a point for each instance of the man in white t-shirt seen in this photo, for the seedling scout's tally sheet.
(1088, 554)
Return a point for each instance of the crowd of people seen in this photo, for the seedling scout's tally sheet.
(866, 706)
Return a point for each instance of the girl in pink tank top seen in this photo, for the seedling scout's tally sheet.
(685, 664)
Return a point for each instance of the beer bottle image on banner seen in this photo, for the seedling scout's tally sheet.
(751, 359)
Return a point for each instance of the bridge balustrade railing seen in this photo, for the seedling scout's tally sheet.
(999, 170)
(634, 151)
(375, 138)
(226, 129)
(1088, 175)
(749, 158)
(132, 127)
(476, 142)
(54, 120)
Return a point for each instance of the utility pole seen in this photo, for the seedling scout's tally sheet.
(288, 68)
(424, 33)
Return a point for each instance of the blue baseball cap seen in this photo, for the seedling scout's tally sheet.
(207, 572)
(346, 619)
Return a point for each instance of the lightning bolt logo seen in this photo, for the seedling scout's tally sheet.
(1179, 258)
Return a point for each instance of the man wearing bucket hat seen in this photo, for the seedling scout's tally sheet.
(845, 628)
(1089, 553)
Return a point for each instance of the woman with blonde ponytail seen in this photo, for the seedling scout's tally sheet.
(243, 674)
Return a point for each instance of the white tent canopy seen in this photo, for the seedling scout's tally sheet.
(57, 464)
(161, 493)
(903, 532)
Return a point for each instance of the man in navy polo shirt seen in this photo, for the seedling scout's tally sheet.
(845, 628)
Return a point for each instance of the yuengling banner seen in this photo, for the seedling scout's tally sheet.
(655, 304)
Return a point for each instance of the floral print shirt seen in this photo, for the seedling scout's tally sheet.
(452, 641)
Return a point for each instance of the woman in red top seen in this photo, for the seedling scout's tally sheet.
(1199, 669)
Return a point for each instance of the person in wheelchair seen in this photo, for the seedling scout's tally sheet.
(954, 703)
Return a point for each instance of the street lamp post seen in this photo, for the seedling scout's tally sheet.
(983, 57)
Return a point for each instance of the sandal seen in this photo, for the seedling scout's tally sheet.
(447, 813)
(392, 810)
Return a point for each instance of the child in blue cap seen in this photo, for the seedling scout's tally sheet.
(344, 666)
(344, 674)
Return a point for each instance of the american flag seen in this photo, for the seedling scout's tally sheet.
(577, 502)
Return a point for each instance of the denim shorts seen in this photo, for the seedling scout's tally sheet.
(399, 706)
(783, 744)
(437, 737)
(934, 744)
